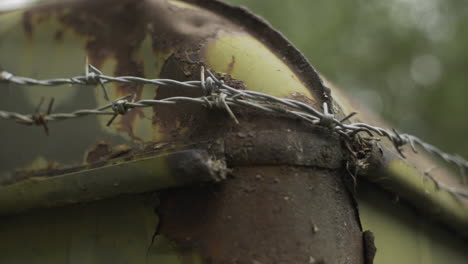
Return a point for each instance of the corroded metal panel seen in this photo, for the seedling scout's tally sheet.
(139, 39)
(266, 214)
(286, 200)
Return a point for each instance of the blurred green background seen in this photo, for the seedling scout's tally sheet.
(406, 60)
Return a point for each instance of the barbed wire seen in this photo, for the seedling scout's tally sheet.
(220, 95)
(455, 192)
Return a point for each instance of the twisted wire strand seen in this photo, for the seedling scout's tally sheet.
(92, 78)
(220, 95)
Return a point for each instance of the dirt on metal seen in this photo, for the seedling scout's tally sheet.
(265, 214)
(269, 211)
(282, 205)
(273, 39)
(110, 30)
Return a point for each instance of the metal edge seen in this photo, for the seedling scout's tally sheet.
(272, 38)
(395, 175)
(138, 176)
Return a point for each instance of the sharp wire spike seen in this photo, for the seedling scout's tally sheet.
(51, 104)
(223, 96)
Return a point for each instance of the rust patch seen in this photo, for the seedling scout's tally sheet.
(302, 98)
(201, 123)
(31, 18)
(98, 155)
(51, 169)
(98, 152)
(173, 119)
(186, 33)
(287, 215)
(103, 154)
(103, 151)
(113, 30)
(118, 28)
(190, 121)
(234, 83)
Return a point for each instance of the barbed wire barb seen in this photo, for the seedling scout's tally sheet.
(93, 73)
(219, 94)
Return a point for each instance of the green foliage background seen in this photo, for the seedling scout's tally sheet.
(406, 60)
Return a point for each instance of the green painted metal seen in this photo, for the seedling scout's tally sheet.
(122, 230)
(397, 176)
(115, 178)
(247, 59)
(110, 231)
(402, 235)
(34, 36)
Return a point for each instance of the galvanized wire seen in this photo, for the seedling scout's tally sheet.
(220, 95)
(454, 191)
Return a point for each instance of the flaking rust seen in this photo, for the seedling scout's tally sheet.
(103, 154)
(58, 187)
(98, 155)
(103, 151)
(243, 219)
(162, 47)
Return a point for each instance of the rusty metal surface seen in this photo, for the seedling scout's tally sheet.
(266, 214)
(284, 147)
(274, 39)
(286, 201)
(282, 205)
(296, 209)
(118, 170)
(181, 43)
(299, 212)
(41, 189)
(127, 37)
